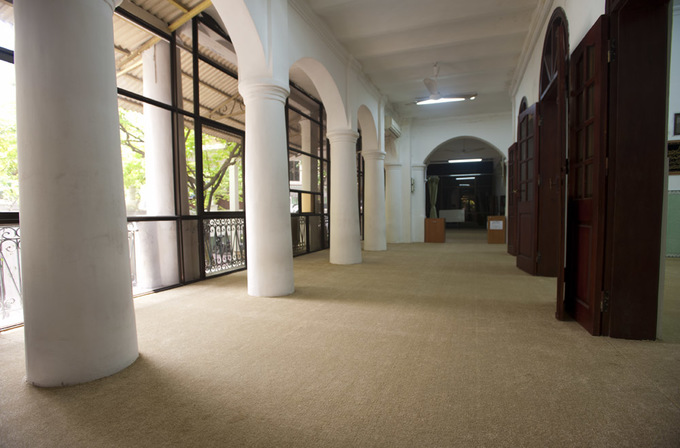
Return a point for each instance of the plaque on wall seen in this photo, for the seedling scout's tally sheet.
(674, 157)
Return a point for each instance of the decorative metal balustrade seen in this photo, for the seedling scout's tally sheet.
(224, 243)
(299, 228)
(132, 236)
(11, 303)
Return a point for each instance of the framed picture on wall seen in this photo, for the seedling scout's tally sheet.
(674, 156)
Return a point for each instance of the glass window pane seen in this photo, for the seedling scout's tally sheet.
(9, 168)
(187, 85)
(316, 233)
(146, 151)
(215, 47)
(10, 276)
(222, 173)
(219, 97)
(188, 191)
(303, 134)
(299, 233)
(138, 51)
(7, 26)
(304, 104)
(153, 255)
(294, 202)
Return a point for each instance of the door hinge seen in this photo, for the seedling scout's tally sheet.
(604, 302)
(611, 51)
(540, 121)
(538, 257)
(538, 180)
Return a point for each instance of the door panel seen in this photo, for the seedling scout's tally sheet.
(550, 155)
(526, 200)
(512, 199)
(587, 178)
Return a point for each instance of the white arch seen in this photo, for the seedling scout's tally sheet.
(328, 91)
(369, 133)
(258, 29)
(500, 153)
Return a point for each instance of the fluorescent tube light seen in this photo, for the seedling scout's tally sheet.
(440, 100)
(464, 160)
(465, 178)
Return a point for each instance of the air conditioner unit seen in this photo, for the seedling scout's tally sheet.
(392, 129)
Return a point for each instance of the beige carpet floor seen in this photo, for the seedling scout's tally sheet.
(425, 345)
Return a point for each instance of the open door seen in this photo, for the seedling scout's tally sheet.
(526, 183)
(512, 199)
(587, 179)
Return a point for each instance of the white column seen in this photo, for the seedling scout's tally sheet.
(306, 205)
(268, 230)
(418, 204)
(393, 202)
(374, 197)
(345, 235)
(78, 311)
(234, 188)
(156, 242)
(160, 197)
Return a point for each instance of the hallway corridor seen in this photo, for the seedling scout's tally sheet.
(424, 345)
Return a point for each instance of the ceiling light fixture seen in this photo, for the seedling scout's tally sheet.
(464, 160)
(465, 178)
(440, 100)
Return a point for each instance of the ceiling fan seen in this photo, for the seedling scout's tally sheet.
(435, 96)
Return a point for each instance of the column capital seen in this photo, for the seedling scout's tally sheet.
(392, 165)
(373, 155)
(263, 88)
(418, 167)
(342, 135)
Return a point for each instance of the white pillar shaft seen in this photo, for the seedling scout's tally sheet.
(234, 188)
(418, 204)
(393, 202)
(156, 243)
(160, 197)
(345, 235)
(374, 197)
(78, 311)
(268, 229)
(306, 166)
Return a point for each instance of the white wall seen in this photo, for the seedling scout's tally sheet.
(427, 135)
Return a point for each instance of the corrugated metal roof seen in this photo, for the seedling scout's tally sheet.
(218, 91)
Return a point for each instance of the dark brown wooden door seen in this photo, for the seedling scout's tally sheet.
(550, 154)
(512, 199)
(587, 178)
(526, 186)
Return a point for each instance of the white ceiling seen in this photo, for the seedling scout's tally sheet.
(477, 44)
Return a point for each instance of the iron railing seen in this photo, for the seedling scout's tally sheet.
(224, 244)
(11, 301)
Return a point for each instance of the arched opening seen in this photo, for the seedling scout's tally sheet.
(471, 177)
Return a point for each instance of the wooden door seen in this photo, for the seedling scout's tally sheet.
(526, 183)
(550, 141)
(587, 178)
(512, 199)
